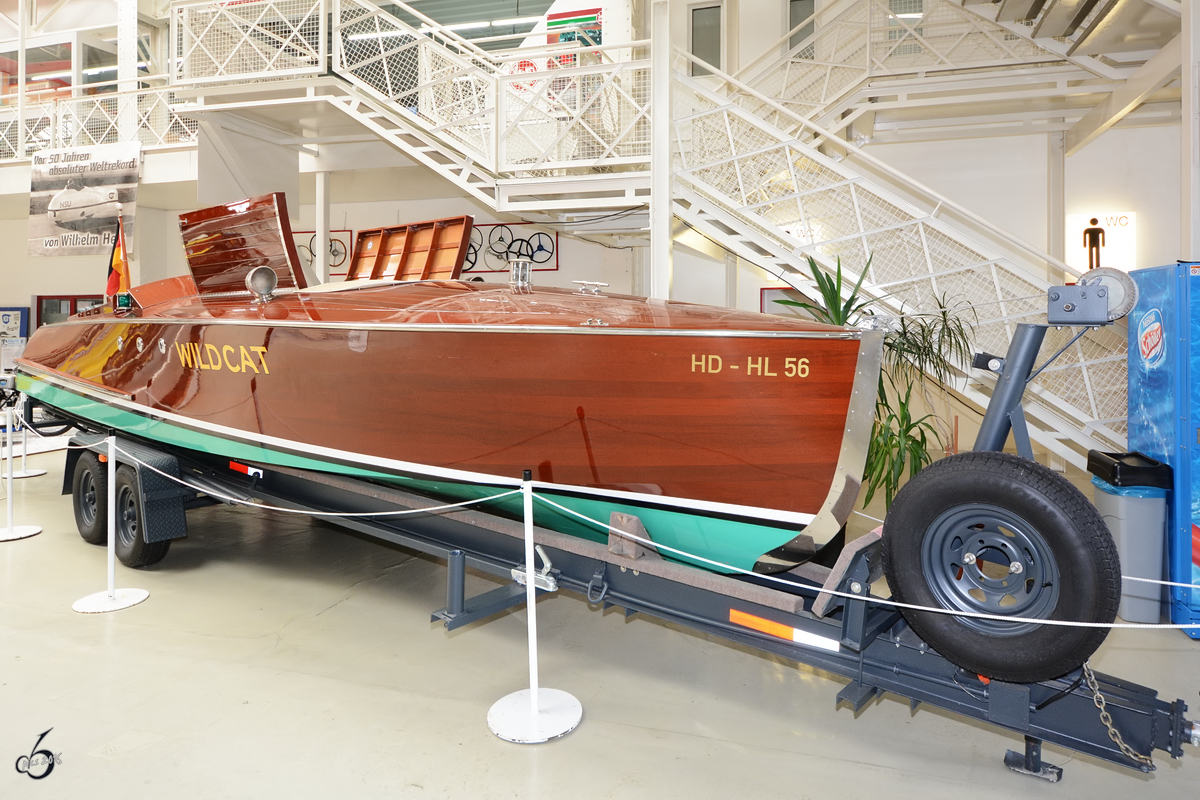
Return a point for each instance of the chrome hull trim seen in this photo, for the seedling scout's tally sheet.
(847, 478)
(472, 328)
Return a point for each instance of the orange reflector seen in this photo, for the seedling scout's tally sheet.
(103, 458)
(761, 625)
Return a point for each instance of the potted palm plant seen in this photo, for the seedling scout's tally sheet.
(917, 349)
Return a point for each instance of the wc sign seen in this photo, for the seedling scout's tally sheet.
(1102, 239)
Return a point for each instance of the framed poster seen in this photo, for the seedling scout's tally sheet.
(10, 350)
(76, 195)
(14, 322)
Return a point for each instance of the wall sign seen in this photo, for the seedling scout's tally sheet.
(1102, 239)
(73, 198)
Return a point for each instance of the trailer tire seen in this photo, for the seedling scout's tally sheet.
(89, 497)
(132, 548)
(993, 533)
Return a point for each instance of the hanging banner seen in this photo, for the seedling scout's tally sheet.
(74, 196)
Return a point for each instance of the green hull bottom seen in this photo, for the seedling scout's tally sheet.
(733, 542)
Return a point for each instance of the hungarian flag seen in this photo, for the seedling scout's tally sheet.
(118, 267)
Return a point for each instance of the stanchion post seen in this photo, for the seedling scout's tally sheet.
(13, 532)
(112, 599)
(530, 592)
(533, 715)
(24, 472)
(112, 518)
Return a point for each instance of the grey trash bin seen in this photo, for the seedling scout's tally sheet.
(1131, 495)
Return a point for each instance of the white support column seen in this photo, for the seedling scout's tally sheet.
(22, 24)
(661, 268)
(127, 71)
(1056, 202)
(731, 280)
(1189, 164)
(321, 246)
(639, 279)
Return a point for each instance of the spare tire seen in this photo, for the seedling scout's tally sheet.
(993, 533)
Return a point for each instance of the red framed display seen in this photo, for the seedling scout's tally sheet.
(57, 307)
(769, 294)
(493, 243)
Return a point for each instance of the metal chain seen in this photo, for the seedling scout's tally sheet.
(1106, 718)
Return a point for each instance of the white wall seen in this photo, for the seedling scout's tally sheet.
(160, 253)
(1005, 180)
(1002, 179)
(23, 277)
(1134, 169)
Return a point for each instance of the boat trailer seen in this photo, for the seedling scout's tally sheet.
(850, 633)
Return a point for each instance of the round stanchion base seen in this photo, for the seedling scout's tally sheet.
(100, 602)
(511, 720)
(18, 532)
(25, 473)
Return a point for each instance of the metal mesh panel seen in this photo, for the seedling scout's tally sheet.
(40, 127)
(8, 132)
(822, 68)
(883, 37)
(575, 117)
(447, 91)
(788, 192)
(40, 132)
(146, 116)
(218, 41)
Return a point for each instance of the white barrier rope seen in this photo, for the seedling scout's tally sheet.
(349, 514)
(1123, 577)
(656, 545)
(848, 596)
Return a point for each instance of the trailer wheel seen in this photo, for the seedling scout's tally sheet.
(132, 547)
(89, 496)
(992, 533)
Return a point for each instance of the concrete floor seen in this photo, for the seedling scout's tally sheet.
(277, 657)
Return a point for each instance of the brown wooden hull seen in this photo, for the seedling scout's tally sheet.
(751, 420)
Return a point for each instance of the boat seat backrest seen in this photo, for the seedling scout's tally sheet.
(224, 243)
(433, 250)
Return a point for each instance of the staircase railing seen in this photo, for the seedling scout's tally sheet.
(212, 42)
(873, 38)
(826, 198)
(515, 115)
(153, 117)
(439, 83)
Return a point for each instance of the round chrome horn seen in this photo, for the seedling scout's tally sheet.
(261, 281)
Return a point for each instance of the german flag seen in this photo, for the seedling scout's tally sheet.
(118, 266)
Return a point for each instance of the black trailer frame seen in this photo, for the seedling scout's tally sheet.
(856, 638)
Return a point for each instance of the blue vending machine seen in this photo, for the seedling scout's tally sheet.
(1164, 411)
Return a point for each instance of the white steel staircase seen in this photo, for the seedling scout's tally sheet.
(776, 198)
(854, 42)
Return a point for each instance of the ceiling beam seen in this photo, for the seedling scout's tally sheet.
(38, 27)
(1149, 78)
(1169, 6)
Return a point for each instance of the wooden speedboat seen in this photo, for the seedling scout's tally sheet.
(735, 436)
